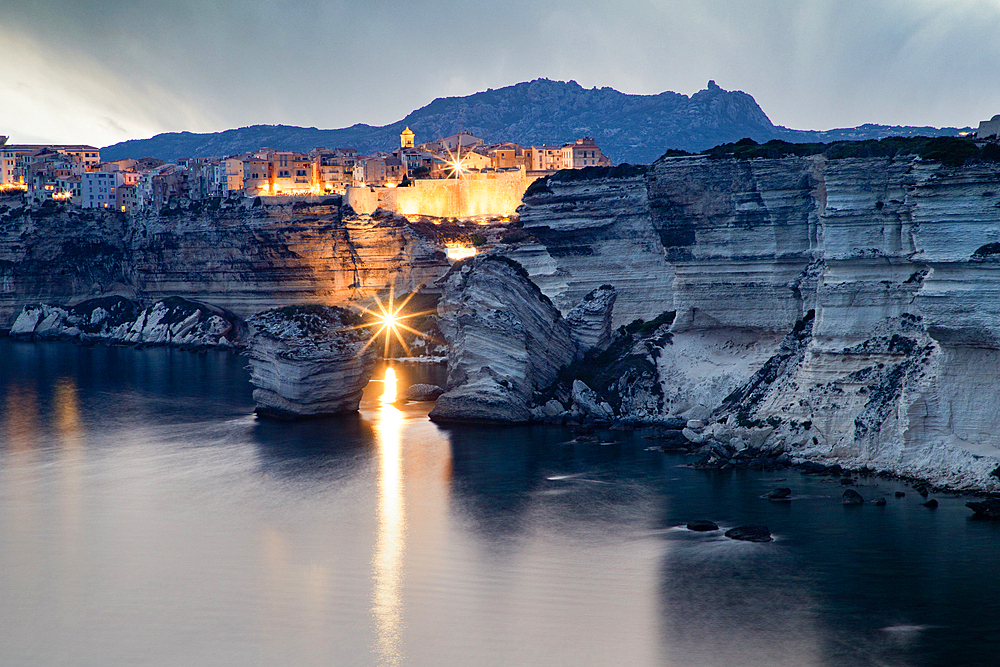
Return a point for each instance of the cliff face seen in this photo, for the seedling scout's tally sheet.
(888, 270)
(242, 258)
(307, 361)
(505, 340)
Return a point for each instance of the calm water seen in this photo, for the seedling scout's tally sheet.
(147, 518)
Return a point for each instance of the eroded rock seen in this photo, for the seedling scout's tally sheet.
(505, 339)
(752, 533)
(702, 526)
(307, 361)
(422, 392)
(852, 497)
(173, 321)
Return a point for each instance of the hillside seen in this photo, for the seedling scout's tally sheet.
(629, 128)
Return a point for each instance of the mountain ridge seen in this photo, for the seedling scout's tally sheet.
(628, 128)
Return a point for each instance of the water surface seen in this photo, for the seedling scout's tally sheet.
(148, 518)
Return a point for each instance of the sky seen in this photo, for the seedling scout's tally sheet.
(103, 71)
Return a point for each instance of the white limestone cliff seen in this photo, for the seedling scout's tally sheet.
(173, 322)
(307, 361)
(505, 339)
(847, 309)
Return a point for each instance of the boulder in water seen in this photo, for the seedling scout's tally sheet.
(422, 392)
(753, 533)
(989, 508)
(852, 497)
(702, 526)
(307, 361)
(505, 341)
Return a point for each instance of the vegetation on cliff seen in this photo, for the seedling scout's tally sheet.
(951, 151)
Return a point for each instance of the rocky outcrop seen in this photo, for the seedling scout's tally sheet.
(505, 339)
(308, 361)
(422, 392)
(845, 310)
(590, 321)
(585, 230)
(242, 256)
(174, 322)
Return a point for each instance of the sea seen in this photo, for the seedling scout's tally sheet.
(147, 517)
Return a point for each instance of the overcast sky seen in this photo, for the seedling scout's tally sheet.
(101, 71)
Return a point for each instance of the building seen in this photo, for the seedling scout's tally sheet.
(406, 138)
(581, 153)
(544, 158)
(462, 140)
(989, 129)
(394, 170)
(127, 198)
(98, 189)
(369, 171)
(257, 175)
(17, 160)
(334, 169)
(291, 173)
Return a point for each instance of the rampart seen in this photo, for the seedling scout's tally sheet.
(472, 195)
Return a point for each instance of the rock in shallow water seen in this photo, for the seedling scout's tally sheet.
(852, 497)
(307, 361)
(702, 526)
(173, 322)
(989, 508)
(753, 533)
(422, 392)
(781, 493)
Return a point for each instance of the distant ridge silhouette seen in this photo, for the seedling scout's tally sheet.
(628, 128)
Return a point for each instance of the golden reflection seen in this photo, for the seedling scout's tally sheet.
(21, 418)
(67, 408)
(387, 563)
(389, 393)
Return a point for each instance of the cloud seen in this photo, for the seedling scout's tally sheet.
(152, 66)
(58, 95)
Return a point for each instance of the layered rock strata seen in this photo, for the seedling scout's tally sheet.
(244, 257)
(842, 310)
(307, 361)
(173, 322)
(584, 230)
(505, 340)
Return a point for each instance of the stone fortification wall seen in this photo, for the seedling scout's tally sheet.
(474, 195)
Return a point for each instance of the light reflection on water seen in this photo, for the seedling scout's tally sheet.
(147, 518)
(387, 563)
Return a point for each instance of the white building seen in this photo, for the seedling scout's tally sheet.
(97, 189)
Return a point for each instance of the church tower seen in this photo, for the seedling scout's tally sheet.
(406, 138)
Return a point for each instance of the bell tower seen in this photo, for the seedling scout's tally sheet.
(406, 138)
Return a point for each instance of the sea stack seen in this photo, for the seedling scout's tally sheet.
(307, 361)
(505, 340)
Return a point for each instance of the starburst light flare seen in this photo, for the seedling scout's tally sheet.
(388, 322)
(456, 164)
